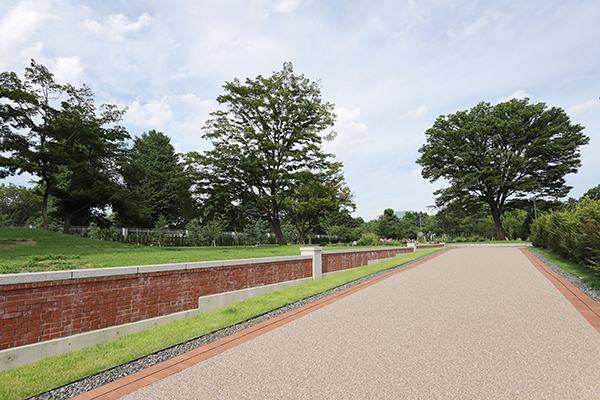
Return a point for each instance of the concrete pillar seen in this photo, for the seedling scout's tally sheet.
(316, 253)
(413, 245)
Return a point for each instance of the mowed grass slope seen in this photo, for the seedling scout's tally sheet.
(30, 250)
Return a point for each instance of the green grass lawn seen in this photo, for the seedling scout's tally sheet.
(31, 250)
(588, 275)
(29, 380)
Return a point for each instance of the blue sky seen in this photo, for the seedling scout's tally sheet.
(390, 67)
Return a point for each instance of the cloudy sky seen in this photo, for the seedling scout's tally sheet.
(390, 67)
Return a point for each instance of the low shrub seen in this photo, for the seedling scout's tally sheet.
(572, 233)
(368, 239)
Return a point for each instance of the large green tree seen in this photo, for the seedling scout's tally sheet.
(389, 226)
(266, 140)
(18, 204)
(503, 152)
(89, 149)
(215, 202)
(55, 133)
(26, 113)
(342, 227)
(317, 198)
(156, 177)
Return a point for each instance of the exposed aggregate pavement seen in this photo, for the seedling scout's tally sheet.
(105, 377)
(472, 323)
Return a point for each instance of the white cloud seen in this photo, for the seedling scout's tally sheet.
(346, 115)
(286, 6)
(152, 115)
(519, 94)
(117, 26)
(477, 27)
(194, 112)
(415, 113)
(194, 102)
(181, 117)
(351, 131)
(417, 173)
(585, 107)
(353, 136)
(20, 23)
(68, 70)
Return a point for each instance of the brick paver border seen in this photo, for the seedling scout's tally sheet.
(582, 303)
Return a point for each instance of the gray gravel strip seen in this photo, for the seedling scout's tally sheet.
(473, 323)
(103, 378)
(594, 294)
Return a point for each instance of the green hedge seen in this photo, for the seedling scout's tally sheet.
(573, 233)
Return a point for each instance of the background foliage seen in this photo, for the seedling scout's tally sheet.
(499, 154)
(573, 232)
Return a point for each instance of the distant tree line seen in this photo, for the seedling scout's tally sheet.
(459, 221)
(267, 171)
(267, 167)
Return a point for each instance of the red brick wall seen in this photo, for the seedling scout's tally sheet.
(337, 261)
(34, 312)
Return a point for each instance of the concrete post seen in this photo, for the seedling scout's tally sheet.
(316, 253)
(413, 245)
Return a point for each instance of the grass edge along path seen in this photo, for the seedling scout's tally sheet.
(589, 276)
(42, 376)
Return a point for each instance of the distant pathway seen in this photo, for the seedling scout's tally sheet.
(471, 323)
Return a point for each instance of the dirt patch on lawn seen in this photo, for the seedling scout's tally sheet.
(18, 243)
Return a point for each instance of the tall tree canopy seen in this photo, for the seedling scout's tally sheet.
(593, 193)
(502, 152)
(266, 140)
(55, 133)
(18, 204)
(156, 177)
(318, 198)
(389, 225)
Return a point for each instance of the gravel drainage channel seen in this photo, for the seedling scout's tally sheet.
(103, 378)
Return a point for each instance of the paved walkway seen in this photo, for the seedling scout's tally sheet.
(469, 323)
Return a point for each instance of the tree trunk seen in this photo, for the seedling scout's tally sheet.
(45, 212)
(276, 227)
(500, 233)
(69, 216)
(67, 225)
(300, 237)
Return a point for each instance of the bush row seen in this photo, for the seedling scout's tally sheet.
(573, 233)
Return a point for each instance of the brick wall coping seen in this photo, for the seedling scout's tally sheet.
(363, 250)
(382, 248)
(49, 276)
(35, 277)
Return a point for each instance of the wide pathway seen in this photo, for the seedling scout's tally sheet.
(470, 323)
